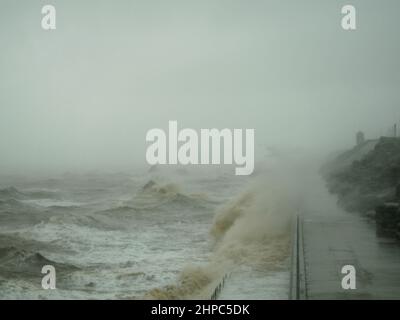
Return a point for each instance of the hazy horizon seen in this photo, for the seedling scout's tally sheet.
(84, 95)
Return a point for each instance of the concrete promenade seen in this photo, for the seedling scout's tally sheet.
(329, 242)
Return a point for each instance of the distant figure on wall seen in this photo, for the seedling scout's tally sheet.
(360, 139)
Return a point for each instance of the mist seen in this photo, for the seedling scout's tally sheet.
(83, 96)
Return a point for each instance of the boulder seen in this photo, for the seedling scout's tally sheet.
(388, 215)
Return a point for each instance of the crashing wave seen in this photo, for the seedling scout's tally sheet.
(154, 194)
(252, 230)
(14, 261)
(11, 193)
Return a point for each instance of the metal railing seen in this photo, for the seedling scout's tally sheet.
(298, 289)
(298, 285)
(219, 287)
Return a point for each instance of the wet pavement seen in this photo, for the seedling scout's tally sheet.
(331, 242)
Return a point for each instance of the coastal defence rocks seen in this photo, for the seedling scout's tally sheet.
(366, 179)
(388, 217)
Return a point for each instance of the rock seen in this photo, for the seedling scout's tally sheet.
(388, 215)
(397, 192)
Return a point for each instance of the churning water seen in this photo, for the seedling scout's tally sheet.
(157, 235)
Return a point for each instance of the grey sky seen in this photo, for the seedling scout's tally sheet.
(84, 95)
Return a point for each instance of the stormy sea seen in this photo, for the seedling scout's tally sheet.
(156, 234)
